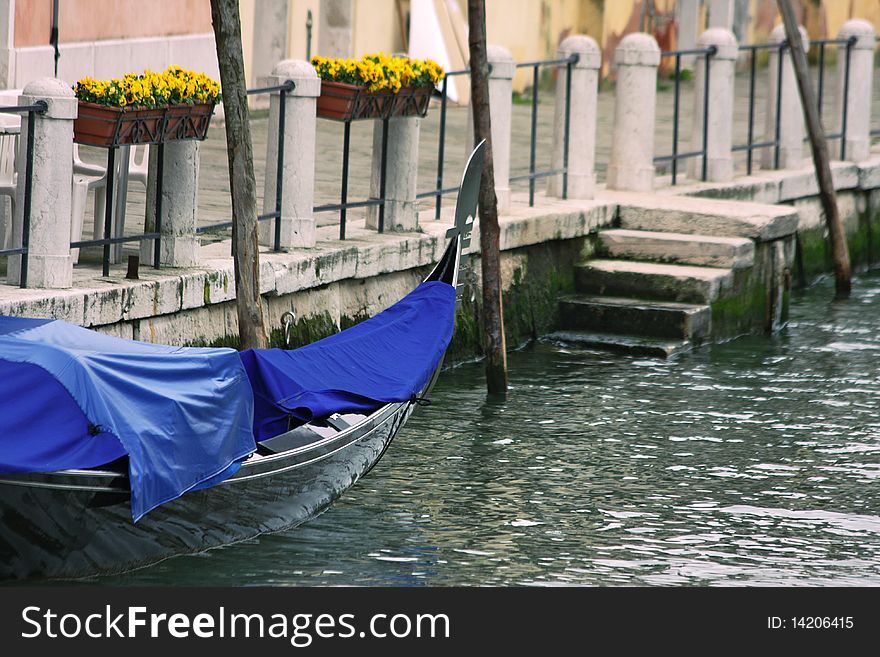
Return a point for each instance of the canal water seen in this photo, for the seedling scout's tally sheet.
(755, 462)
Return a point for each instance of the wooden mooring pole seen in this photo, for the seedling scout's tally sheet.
(819, 147)
(242, 187)
(493, 315)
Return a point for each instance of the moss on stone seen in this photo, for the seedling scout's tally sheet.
(747, 311)
(815, 249)
(529, 301)
(530, 304)
(467, 339)
(305, 330)
(863, 244)
(347, 321)
(231, 341)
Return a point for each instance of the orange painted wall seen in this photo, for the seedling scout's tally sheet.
(92, 20)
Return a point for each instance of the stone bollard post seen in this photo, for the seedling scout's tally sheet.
(48, 263)
(401, 174)
(791, 126)
(861, 77)
(180, 199)
(719, 138)
(582, 118)
(501, 70)
(298, 175)
(632, 142)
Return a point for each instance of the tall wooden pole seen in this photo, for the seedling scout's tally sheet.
(493, 316)
(245, 253)
(839, 249)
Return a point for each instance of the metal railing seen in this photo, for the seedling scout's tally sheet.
(344, 204)
(439, 191)
(875, 131)
(39, 107)
(283, 90)
(848, 45)
(107, 241)
(751, 145)
(676, 155)
(533, 173)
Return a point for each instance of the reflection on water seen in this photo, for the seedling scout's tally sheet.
(752, 462)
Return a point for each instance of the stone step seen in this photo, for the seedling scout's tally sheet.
(650, 280)
(631, 344)
(702, 216)
(656, 319)
(703, 250)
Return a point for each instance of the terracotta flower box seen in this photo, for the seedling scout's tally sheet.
(188, 121)
(100, 125)
(348, 102)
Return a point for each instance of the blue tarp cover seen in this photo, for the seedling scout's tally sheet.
(187, 417)
(387, 358)
(73, 398)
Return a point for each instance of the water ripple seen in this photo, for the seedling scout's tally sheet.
(753, 462)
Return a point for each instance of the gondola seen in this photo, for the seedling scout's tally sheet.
(78, 522)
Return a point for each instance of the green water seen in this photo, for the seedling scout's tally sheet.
(755, 462)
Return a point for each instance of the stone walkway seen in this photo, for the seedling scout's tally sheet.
(214, 202)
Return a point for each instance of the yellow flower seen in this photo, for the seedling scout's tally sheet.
(377, 71)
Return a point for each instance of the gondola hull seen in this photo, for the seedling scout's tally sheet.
(76, 525)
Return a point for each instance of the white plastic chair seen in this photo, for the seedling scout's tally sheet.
(8, 183)
(93, 177)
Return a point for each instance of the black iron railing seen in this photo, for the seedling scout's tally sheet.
(677, 155)
(39, 107)
(344, 204)
(441, 146)
(821, 44)
(846, 45)
(283, 90)
(107, 241)
(751, 145)
(533, 173)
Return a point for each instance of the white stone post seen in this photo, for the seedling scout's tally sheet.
(719, 142)
(49, 264)
(791, 125)
(688, 19)
(179, 246)
(298, 175)
(861, 78)
(582, 118)
(502, 68)
(721, 14)
(401, 174)
(632, 141)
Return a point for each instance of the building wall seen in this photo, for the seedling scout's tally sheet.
(110, 37)
(106, 38)
(92, 20)
(377, 28)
